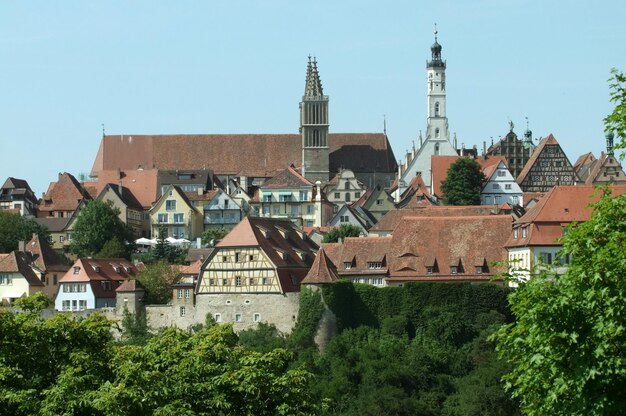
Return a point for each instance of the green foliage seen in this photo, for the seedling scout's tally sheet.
(135, 327)
(15, 228)
(309, 315)
(568, 343)
(344, 230)
(157, 279)
(464, 183)
(264, 338)
(112, 249)
(35, 303)
(213, 234)
(164, 251)
(616, 121)
(97, 224)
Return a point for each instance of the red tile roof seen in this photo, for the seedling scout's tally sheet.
(359, 252)
(141, 183)
(96, 271)
(130, 285)
(43, 256)
(64, 195)
(252, 155)
(18, 262)
(287, 178)
(441, 164)
(322, 271)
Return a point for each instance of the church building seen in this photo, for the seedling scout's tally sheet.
(437, 141)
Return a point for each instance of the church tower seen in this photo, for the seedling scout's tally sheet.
(314, 127)
(437, 122)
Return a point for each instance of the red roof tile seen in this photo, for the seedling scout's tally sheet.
(64, 195)
(322, 270)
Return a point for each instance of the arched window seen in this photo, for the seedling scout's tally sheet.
(316, 138)
(437, 144)
(437, 135)
(437, 109)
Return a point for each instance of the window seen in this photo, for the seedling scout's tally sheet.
(374, 265)
(225, 259)
(179, 218)
(267, 197)
(6, 279)
(225, 282)
(454, 269)
(237, 280)
(379, 202)
(218, 317)
(180, 294)
(429, 270)
(357, 195)
(82, 305)
(309, 209)
(344, 218)
(264, 281)
(237, 257)
(162, 218)
(170, 205)
(545, 258)
(507, 186)
(347, 265)
(106, 286)
(257, 317)
(524, 232)
(187, 293)
(61, 239)
(479, 269)
(304, 195)
(74, 305)
(501, 172)
(226, 204)
(437, 108)
(237, 317)
(495, 186)
(337, 195)
(251, 257)
(66, 305)
(437, 145)
(54, 280)
(347, 196)
(276, 209)
(515, 200)
(515, 232)
(76, 270)
(183, 311)
(347, 186)
(211, 282)
(284, 198)
(251, 281)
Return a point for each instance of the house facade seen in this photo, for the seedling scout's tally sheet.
(63, 198)
(346, 215)
(175, 213)
(131, 211)
(92, 284)
(16, 194)
(219, 209)
(500, 187)
(17, 279)
(517, 152)
(344, 188)
(47, 265)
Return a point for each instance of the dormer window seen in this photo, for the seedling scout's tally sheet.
(374, 265)
(515, 233)
(454, 269)
(524, 232)
(430, 270)
(76, 269)
(127, 269)
(479, 269)
(347, 265)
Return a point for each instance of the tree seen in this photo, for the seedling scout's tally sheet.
(616, 121)
(15, 228)
(345, 230)
(213, 235)
(157, 279)
(97, 224)
(112, 249)
(464, 183)
(568, 343)
(164, 251)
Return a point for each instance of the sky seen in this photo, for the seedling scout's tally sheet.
(233, 66)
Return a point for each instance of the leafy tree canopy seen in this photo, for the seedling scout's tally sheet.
(616, 121)
(464, 183)
(568, 342)
(213, 234)
(157, 279)
(97, 224)
(345, 230)
(15, 228)
(164, 251)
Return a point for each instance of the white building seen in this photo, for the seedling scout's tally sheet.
(500, 187)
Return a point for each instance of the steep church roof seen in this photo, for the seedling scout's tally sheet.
(322, 270)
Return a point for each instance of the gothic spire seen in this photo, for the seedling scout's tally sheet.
(313, 86)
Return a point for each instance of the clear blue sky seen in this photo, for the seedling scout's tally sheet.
(239, 67)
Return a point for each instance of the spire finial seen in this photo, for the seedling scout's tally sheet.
(385, 124)
(511, 125)
(526, 122)
(436, 32)
(103, 134)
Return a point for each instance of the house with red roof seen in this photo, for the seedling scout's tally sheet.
(176, 214)
(17, 278)
(535, 237)
(92, 284)
(16, 194)
(254, 275)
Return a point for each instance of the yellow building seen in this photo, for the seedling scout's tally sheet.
(174, 212)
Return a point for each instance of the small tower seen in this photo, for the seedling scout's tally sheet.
(314, 127)
(437, 122)
(609, 142)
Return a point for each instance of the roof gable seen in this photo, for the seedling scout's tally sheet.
(287, 178)
(322, 270)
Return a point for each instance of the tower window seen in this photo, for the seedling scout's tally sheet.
(437, 136)
(437, 144)
(437, 109)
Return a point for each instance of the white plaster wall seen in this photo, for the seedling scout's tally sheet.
(87, 295)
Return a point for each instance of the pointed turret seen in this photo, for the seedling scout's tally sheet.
(322, 271)
(609, 142)
(313, 85)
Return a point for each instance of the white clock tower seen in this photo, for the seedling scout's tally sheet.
(437, 122)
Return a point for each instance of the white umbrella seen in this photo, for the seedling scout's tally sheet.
(171, 240)
(144, 241)
(183, 241)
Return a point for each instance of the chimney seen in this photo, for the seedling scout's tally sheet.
(21, 245)
(199, 190)
(484, 150)
(119, 187)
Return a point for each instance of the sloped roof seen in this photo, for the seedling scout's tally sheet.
(550, 140)
(252, 155)
(358, 251)
(64, 195)
(416, 194)
(322, 270)
(583, 160)
(14, 183)
(17, 262)
(193, 269)
(53, 225)
(130, 285)
(43, 256)
(101, 270)
(441, 164)
(287, 178)
(469, 241)
(141, 183)
(391, 220)
(124, 194)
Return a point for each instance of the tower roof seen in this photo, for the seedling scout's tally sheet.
(313, 86)
(435, 49)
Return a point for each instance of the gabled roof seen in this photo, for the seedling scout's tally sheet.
(287, 178)
(116, 269)
(202, 177)
(124, 194)
(14, 183)
(358, 252)
(322, 271)
(464, 242)
(64, 195)
(43, 256)
(141, 183)
(594, 170)
(54, 225)
(183, 196)
(582, 161)
(550, 140)
(364, 221)
(441, 164)
(252, 155)
(415, 195)
(130, 285)
(17, 262)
